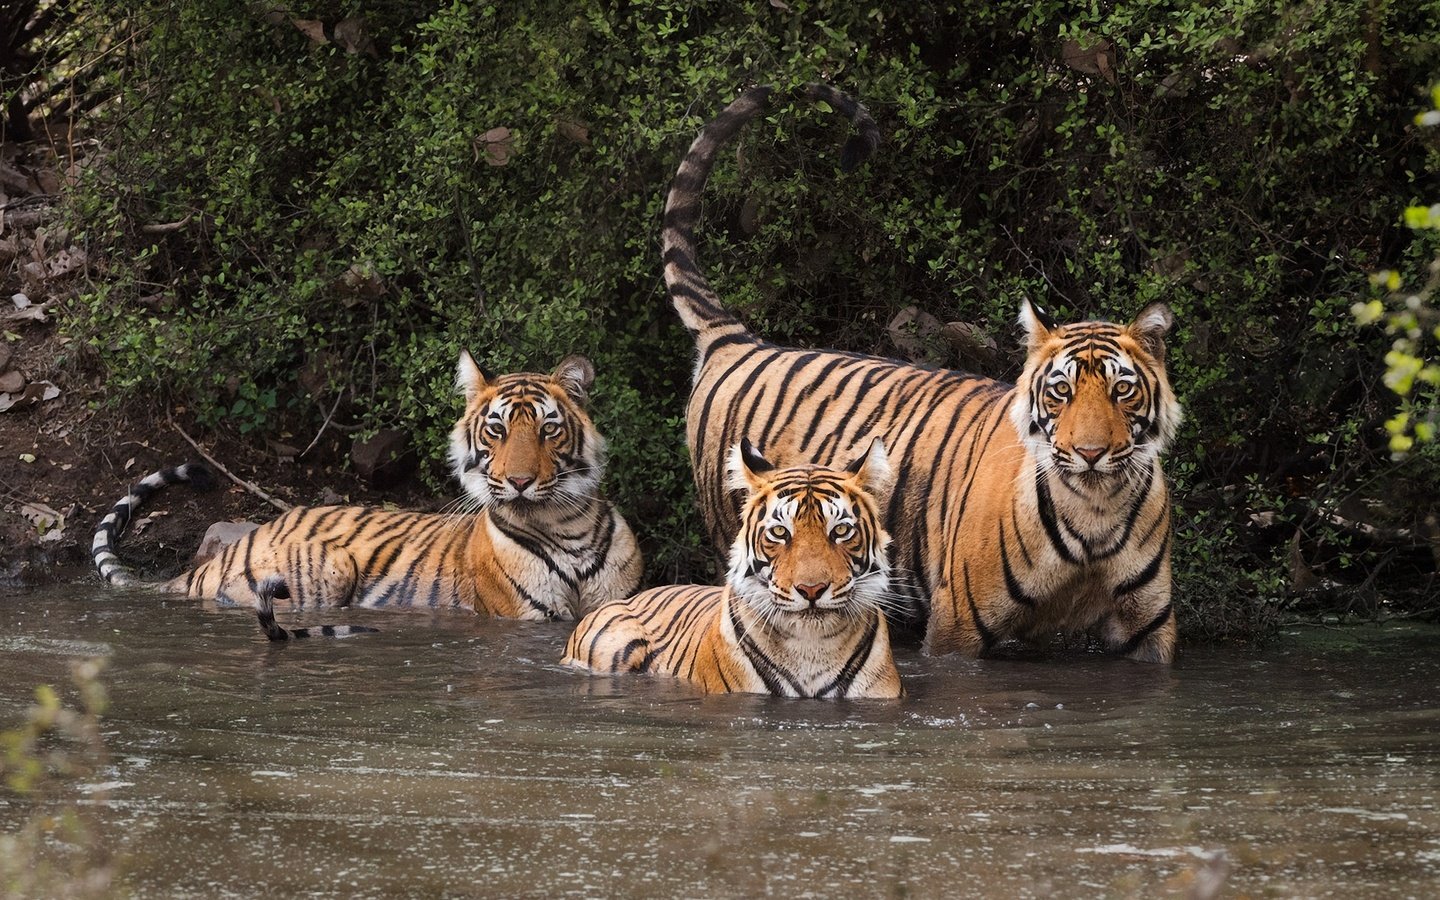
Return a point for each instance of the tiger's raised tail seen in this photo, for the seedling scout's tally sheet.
(690, 292)
(274, 588)
(102, 548)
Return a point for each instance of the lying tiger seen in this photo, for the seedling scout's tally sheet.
(1019, 510)
(802, 610)
(538, 541)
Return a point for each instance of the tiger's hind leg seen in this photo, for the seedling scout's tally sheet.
(610, 639)
(967, 620)
(310, 575)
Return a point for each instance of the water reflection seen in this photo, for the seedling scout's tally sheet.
(450, 754)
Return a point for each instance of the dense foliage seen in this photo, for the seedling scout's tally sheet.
(344, 200)
(52, 67)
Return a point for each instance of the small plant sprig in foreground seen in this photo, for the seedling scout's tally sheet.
(1413, 318)
(57, 851)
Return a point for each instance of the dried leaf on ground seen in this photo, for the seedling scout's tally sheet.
(33, 313)
(34, 393)
(146, 520)
(286, 452)
(360, 282)
(314, 29)
(69, 259)
(495, 145)
(571, 130)
(915, 334)
(353, 36)
(43, 517)
(1097, 58)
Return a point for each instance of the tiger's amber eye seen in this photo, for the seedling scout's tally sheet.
(842, 532)
(550, 430)
(1124, 389)
(778, 533)
(495, 430)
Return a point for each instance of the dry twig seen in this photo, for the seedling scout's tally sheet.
(249, 486)
(166, 227)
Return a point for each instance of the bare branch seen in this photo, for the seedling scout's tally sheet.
(249, 486)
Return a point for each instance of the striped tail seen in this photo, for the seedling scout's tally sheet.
(102, 548)
(694, 299)
(274, 588)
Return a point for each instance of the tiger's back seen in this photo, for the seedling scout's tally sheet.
(357, 556)
(671, 630)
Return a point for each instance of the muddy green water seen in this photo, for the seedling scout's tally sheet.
(453, 756)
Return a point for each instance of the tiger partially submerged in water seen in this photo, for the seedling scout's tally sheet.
(538, 540)
(801, 613)
(1018, 510)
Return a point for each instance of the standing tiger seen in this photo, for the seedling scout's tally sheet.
(537, 541)
(801, 613)
(1018, 510)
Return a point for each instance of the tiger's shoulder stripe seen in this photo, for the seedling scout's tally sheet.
(777, 681)
(846, 677)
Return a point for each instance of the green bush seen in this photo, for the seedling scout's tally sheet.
(353, 209)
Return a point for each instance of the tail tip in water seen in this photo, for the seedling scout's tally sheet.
(273, 588)
(265, 595)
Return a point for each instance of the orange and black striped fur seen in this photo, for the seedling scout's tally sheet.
(1017, 511)
(802, 610)
(534, 540)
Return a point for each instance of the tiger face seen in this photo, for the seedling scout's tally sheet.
(525, 439)
(811, 549)
(1094, 403)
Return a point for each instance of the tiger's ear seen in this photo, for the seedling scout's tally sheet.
(1151, 326)
(873, 473)
(1036, 322)
(575, 374)
(746, 467)
(469, 377)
